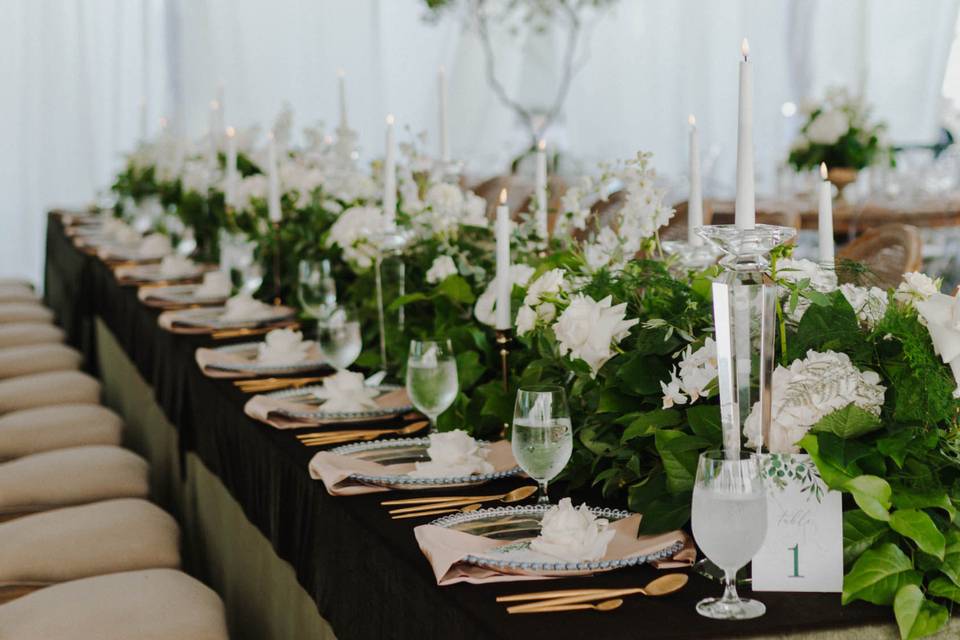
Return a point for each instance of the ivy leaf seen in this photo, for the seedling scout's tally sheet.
(878, 575)
(661, 511)
(645, 424)
(872, 494)
(705, 421)
(849, 422)
(943, 588)
(950, 566)
(917, 617)
(612, 401)
(919, 527)
(457, 289)
(679, 453)
(833, 475)
(895, 446)
(860, 532)
(469, 368)
(833, 326)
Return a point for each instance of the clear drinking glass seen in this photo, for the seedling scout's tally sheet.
(245, 262)
(542, 438)
(432, 381)
(729, 518)
(339, 339)
(317, 290)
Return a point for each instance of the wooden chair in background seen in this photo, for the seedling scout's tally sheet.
(888, 251)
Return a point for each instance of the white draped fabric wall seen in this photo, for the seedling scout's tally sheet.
(74, 73)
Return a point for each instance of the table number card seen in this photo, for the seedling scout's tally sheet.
(803, 550)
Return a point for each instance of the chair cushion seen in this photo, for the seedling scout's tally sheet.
(50, 388)
(57, 427)
(156, 604)
(24, 312)
(16, 334)
(22, 282)
(65, 477)
(17, 293)
(89, 540)
(38, 358)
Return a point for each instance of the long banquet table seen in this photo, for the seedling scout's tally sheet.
(291, 561)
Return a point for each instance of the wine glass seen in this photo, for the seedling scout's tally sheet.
(729, 524)
(432, 381)
(244, 261)
(542, 439)
(316, 289)
(338, 339)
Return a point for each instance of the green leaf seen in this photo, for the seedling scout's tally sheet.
(833, 475)
(641, 374)
(919, 527)
(917, 617)
(860, 532)
(704, 421)
(661, 511)
(872, 494)
(913, 499)
(469, 368)
(878, 575)
(612, 401)
(457, 289)
(679, 453)
(407, 299)
(943, 588)
(830, 327)
(645, 424)
(849, 422)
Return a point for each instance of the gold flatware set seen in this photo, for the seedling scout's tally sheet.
(438, 505)
(262, 385)
(225, 334)
(323, 438)
(591, 599)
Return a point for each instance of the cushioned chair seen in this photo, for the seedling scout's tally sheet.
(19, 334)
(156, 604)
(67, 477)
(58, 427)
(18, 293)
(90, 540)
(24, 312)
(21, 282)
(51, 388)
(38, 358)
(887, 251)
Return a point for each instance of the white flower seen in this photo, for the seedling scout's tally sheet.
(572, 534)
(869, 304)
(605, 251)
(485, 307)
(672, 394)
(251, 188)
(453, 453)
(793, 271)
(916, 286)
(445, 199)
(283, 346)
(198, 176)
(548, 284)
(351, 232)
(828, 126)
(346, 391)
(587, 329)
(442, 268)
(643, 211)
(807, 391)
(528, 317)
(475, 211)
(697, 370)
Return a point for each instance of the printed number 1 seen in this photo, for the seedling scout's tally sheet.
(796, 560)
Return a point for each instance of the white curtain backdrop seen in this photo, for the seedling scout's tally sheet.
(74, 74)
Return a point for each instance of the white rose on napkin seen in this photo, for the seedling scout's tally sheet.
(283, 346)
(572, 534)
(243, 306)
(155, 245)
(942, 315)
(125, 235)
(453, 453)
(347, 391)
(216, 284)
(175, 266)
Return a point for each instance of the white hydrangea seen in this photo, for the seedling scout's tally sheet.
(808, 390)
(587, 330)
(915, 287)
(605, 251)
(351, 233)
(442, 268)
(869, 304)
(828, 126)
(574, 208)
(485, 307)
(199, 176)
(696, 371)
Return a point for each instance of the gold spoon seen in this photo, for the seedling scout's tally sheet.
(348, 436)
(526, 491)
(658, 587)
(518, 494)
(437, 512)
(606, 605)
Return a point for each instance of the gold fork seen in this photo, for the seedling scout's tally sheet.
(272, 384)
(224, 334)
(337, 437)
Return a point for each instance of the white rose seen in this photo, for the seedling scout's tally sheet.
(351, 232)
(870, 304)
(587, 328)
(551, 282)
(453, 453)
(475, 211)
(572, 534)
(916, 286)
(828, 126)
(442, 268)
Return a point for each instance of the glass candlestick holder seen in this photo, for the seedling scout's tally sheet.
(688, 256)
(744, 320)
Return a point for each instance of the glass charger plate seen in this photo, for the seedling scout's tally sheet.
(249, 351)
(305, 395)
(519, 525)
(403, 453)
(153, 273)
(210, 317)
(184, 294)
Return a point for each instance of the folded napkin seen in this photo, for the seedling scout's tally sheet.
(334, 469)
(212, 361)
(175, 321)
(244, 306)
(347, 391)
(216, 284)
(942, 315)
(445, 548)
(283, 347)
(154, 246)
(572, 535)
(266, 409)
(453, 453)
(176, 266)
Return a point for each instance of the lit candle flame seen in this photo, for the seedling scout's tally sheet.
(823, 170)
(542, 145)
(390, 119)
(270, 135)
(231, 132)
(691, 120)
(328, 139)
(503, 196)
(745, 48)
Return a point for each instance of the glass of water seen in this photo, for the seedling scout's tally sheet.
(542, 438)
(432, 381)
(729, 524)
(339, 339)
(316, 289)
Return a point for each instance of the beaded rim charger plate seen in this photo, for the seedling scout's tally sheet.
(212, 317)
(306, 395)
(185, 294)
(249, 351)
(405, 451)
(521, 524)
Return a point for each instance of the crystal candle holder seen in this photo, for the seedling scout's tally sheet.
(389, 242)
(687, 256)
(744, 322)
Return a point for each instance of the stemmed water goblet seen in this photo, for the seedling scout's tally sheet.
(542, 437)
(339, 340)
(729, 518)
(317, 289)
(432, 381)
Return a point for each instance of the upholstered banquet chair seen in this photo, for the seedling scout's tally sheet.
(57, 427)
(89, 540)
(38, 358)
(18, 293)
(24, 312)
(519, 191)
(887, 251)
(18, 334)
(51, 388)
(156, 604)
(66, 477)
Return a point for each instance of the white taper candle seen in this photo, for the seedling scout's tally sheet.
(230, 188)
(746, 214)
(695, 199)
(504, 284)
(444, 139)
(273, 181)
(390, 178)
(825, 218)
(541, 189)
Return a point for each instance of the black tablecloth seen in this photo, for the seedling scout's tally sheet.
(365, 571)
